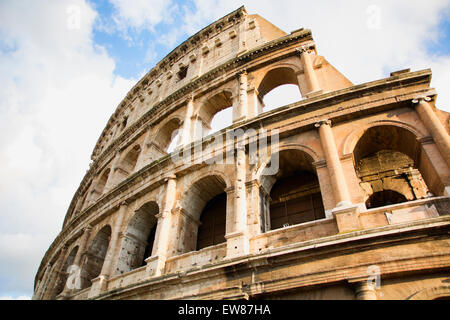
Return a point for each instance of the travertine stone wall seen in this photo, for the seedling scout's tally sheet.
(132, 226)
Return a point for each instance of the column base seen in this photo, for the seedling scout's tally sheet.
(99, 285)
(347, 218)
(155, 265)
(237, 245)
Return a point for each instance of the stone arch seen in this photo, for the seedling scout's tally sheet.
(165, 133)
(209, 107)
(204, 203)
(95, 256)
(201, 174)
(158, 146)
(353, 137)
(257, 174)
(389, 158)
(139, 237)
(292, 194)
(130, 159)
(62, 278)
(432, 293)
(275, 76)
(101, 183)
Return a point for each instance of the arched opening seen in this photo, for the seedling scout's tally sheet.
(166, 140)
(384, 198)
(129, 161)
(221, 120)
(389, 163)
(102, 182)
(60, 284)
(95, 257)
(137, 243)
(205, 206)
(215, 114)
(213, 217)
(279, 87)
(281, 96)
(293, 194)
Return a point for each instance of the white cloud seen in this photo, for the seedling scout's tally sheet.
(57, 92)
(18, 298)
(141, 14)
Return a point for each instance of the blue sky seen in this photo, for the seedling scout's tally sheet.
(65, 65)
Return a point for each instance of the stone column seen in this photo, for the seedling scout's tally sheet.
(186, 137)
(337, 178)
(156, 263)
(242, 106)
(365, 290)
(308, 69)
(237, 240)
(83, 245)
(345, 213)
(254, 103)
(437, 130)
(109, 264)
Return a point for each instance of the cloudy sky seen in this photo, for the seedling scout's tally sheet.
(66, 64)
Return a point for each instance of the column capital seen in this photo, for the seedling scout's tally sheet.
(189, 98)
(319, 123)
(240, 74)
(229, 190)
(170, 177)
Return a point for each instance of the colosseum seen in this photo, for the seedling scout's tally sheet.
(344, 194)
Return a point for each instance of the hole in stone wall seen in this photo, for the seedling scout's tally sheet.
(182, 73)
(281, 96)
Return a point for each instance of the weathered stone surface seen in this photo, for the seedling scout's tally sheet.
(347, 200)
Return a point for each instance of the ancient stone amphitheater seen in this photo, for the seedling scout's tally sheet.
(343, 194)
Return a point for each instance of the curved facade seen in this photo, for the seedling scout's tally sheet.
(341, 195)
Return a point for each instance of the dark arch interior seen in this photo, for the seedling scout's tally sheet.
(295, 199)
(205, 201)
(384, 198)
(95, 257)
(389, 163)
(213, 217)
(64, 272)
(102, 182)
(295, 195)
(130, 160)
(137, 244)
